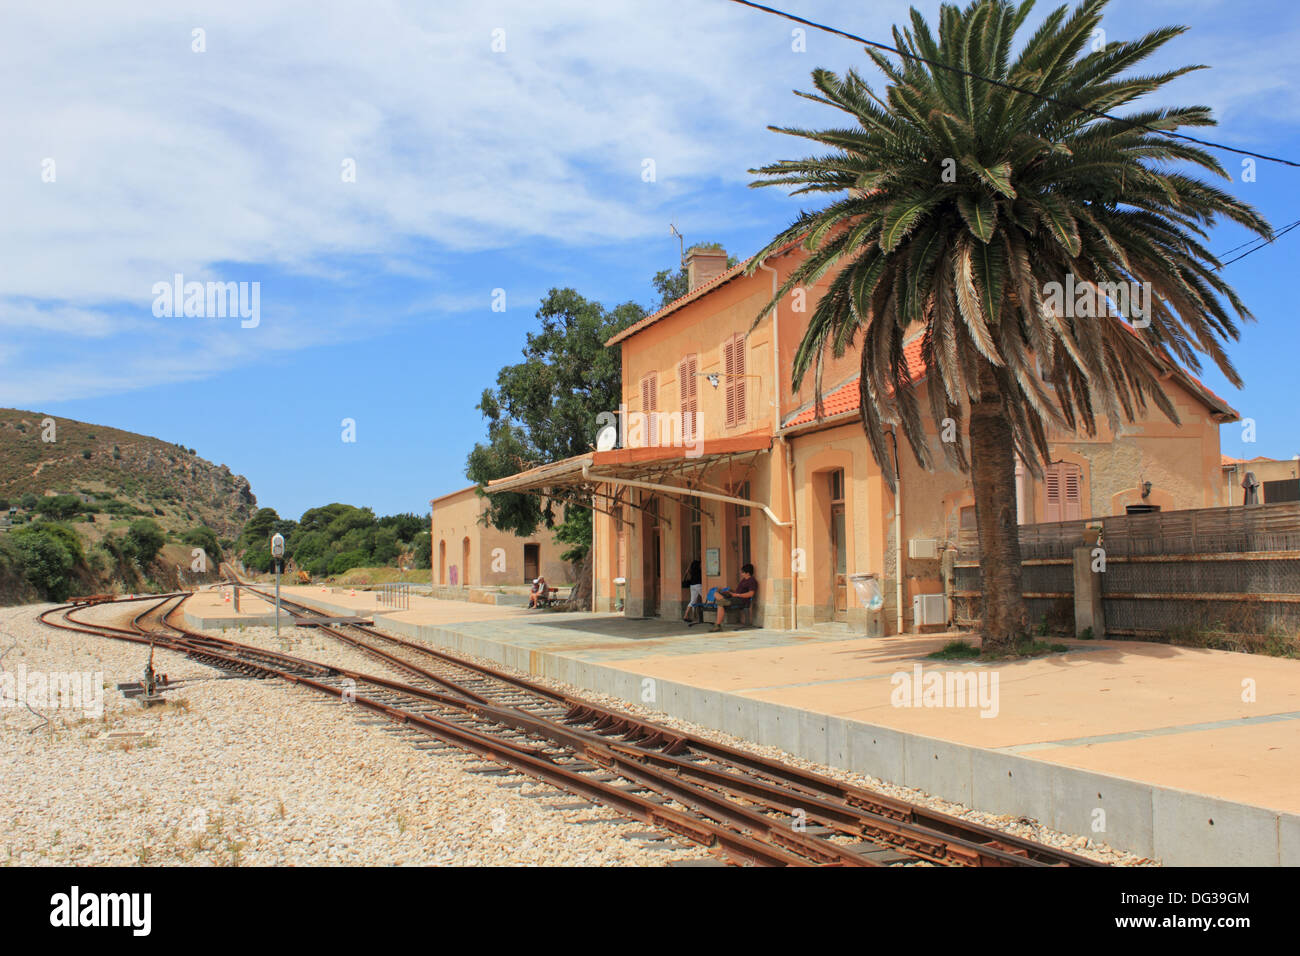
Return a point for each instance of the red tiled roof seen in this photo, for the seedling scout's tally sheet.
(1229, 461)
(691, 296)
(845, 398)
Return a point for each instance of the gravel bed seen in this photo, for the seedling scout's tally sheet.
(238, 771)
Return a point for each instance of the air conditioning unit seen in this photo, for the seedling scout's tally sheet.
(924, 548)
(928, 609)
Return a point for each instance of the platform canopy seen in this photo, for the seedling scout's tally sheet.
(679, 473)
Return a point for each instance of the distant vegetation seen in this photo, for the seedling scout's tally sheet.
(97, 509)
(48, 560)
(335, 538)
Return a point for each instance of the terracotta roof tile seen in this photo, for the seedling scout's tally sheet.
(691, 296)
(845, 398)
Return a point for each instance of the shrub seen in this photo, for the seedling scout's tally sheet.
(347, 561)
(60, 532)
(85, 453)
(46, 563)
(59, 506)
(205, 538)
(258, 559)
(28, 501)
(145, 539)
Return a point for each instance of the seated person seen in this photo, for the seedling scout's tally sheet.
(742, 596)
(538, 592)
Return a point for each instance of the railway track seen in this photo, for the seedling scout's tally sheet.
(747, 808)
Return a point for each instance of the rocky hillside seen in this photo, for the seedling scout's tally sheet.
(136, 473)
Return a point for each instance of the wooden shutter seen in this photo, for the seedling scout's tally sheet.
(1064, 492)
(738, 355)
(1053, 480)
(1072, 494)
(687, 383)
(650, 405)
(728, 369)
(733, 365)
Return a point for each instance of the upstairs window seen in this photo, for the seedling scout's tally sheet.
(733, 367)
(650, 406)
(1064, 492)
(687, 388)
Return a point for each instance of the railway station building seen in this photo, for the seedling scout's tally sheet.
(714, 457)
(470, 554)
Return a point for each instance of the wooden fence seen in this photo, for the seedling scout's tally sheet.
(1221, 569)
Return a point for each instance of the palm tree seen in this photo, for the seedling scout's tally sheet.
(963, 202)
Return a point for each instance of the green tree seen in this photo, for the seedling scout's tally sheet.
(145, 539)
(28, 502)
(60, 507)
(422, 550)
(960, 205)
(544, 408)
(406, 525)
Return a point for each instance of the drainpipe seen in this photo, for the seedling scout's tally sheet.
(794, 533)
(898, 531)
(679, 490)
(776, 356)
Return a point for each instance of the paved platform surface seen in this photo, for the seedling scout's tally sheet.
(215, 607)
(1188, 755)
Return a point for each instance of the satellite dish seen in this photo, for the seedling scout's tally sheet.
(607, 438)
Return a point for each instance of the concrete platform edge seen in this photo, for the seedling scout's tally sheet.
(1177, 827)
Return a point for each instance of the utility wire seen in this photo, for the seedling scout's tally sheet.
(1010, 86)
(1262, 244)
(1249, 242)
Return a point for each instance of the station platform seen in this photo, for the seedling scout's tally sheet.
(215, 608)
(1186, 756)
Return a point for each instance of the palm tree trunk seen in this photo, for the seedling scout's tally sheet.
(993, 474)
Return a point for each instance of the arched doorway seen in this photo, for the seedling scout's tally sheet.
(442, 562)
(464, 563)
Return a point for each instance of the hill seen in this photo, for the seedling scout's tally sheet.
(120, 473)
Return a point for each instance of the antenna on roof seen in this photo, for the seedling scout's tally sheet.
(672, 227)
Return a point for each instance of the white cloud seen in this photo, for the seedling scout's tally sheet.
(227, 164)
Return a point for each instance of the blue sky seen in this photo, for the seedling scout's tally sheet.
(475, 170)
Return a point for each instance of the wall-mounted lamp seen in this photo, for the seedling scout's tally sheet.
(1146, 489)
(716, 377)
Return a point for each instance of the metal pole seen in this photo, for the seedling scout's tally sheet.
(277, 597)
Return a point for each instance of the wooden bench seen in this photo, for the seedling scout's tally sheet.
(743, 616)
(552, 597)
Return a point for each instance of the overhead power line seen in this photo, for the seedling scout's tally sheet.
(1260, 243)
(1010, 86)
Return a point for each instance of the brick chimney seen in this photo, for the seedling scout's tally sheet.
(704, 265)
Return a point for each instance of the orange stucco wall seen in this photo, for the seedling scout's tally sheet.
(495, 558)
